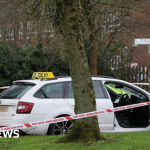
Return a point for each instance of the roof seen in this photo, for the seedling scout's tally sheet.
(99, 76)
(36, 81)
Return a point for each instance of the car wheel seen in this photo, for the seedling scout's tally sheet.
(60, 128)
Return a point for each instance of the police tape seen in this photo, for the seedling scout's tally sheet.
(4, 87)
(73, 117)
(141, 83)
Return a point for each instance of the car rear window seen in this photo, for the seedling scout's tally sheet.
(15, 91)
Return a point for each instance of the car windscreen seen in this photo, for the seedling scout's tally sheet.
(16, 91)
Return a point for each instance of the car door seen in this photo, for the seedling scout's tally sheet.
(106, 121)
(133, 119)
(50, 98)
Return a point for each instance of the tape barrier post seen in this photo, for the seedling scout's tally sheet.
(6, 87)
(78, 116)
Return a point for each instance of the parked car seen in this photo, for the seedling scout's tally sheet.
(41, 99)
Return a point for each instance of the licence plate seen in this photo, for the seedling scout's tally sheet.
(3, 109)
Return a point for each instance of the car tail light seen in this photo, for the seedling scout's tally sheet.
(24, 107)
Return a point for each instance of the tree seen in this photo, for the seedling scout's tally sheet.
(71, 22)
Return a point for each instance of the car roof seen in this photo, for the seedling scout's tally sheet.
(58, 78)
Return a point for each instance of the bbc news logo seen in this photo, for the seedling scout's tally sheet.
(9, 134)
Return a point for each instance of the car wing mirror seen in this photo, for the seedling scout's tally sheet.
(119, 86)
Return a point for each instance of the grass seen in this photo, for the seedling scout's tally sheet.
(121, 141)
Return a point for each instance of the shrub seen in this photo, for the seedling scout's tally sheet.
(18, 63)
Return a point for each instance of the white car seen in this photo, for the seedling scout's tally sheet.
(41, 99)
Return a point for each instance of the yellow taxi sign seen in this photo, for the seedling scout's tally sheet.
(42, 75)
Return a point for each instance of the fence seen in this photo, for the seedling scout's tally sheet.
(141, 75)
(122, 70)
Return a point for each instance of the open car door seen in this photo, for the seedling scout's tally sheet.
(133, 119)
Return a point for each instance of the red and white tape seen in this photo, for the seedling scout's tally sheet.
(4, 87)
(141, 83)
(84, 115)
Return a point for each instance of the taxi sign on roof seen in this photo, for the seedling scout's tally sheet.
(42, 75)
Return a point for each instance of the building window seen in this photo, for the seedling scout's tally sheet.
(0, 32)
(111, 21)
(21, 30)
(9, 32)
(148, 48)
(48, 31)
(31, 29)
(115, 62)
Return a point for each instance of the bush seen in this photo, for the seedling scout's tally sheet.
(18, 64)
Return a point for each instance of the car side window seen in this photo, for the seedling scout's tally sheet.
(97, 88)
(50, 91)
(121, 89)
(70, 91)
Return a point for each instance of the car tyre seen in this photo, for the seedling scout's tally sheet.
(60, 128)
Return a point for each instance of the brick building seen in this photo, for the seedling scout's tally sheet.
(139, 40)
(19, 29)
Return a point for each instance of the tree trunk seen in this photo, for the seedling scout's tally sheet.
(86, 129)
(93, 49)
(3, 30)
(25, 31)
(16, 35)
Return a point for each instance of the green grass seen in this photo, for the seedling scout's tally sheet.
(121, 141)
